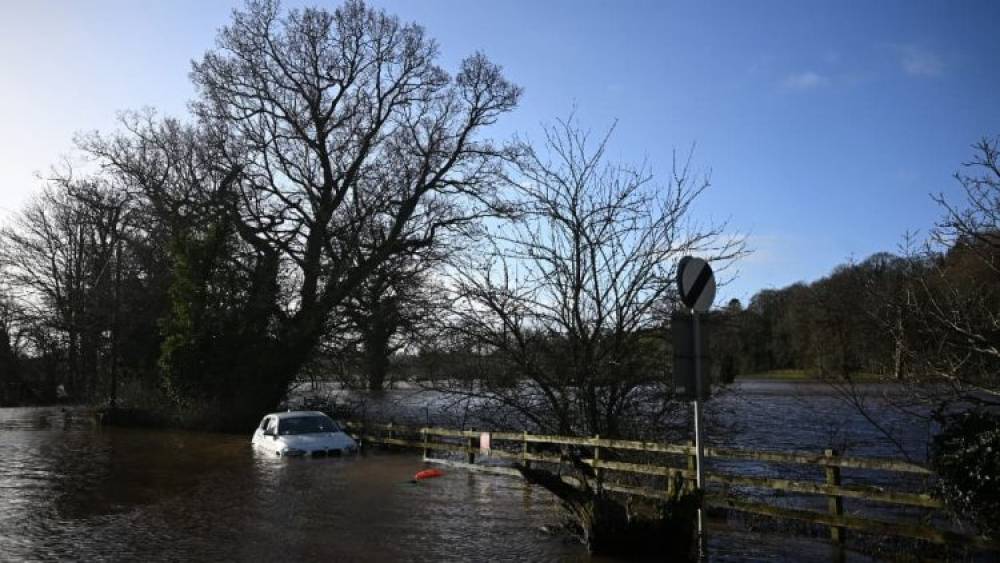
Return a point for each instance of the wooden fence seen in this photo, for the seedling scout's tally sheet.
(522, 447)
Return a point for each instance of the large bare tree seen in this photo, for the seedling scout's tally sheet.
(327, 143)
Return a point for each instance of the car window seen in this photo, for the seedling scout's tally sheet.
(272, 425)
(307, 425)
(263, 423)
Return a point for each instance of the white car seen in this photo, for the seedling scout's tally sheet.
(301, 433)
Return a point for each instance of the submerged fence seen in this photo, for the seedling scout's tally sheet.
(621, 472)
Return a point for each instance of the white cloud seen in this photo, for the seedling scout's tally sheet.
(805, 81)
(916, 61)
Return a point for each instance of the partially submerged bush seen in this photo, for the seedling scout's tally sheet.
(608, 525)
(966, 455)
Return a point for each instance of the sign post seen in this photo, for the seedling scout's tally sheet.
(699, 393)
(696, 284)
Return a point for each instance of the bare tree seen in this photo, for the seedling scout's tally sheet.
(942, 305)
(960, 314)
(960, 295)
(60, 255)
(568, 299)
(12, 386)
(327, 144)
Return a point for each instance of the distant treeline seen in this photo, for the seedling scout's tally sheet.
(878, 316)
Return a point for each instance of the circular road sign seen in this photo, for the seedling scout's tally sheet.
(696, 283)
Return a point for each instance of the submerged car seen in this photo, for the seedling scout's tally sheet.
(302, 433)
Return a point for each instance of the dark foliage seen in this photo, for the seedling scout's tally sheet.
(609, 527)
(966, 455)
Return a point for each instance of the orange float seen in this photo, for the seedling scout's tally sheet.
(427, 474)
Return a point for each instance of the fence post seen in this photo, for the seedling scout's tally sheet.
(389, 434)
(524, 451)
(470, 456)
(835, 503)
(597, 461)
(426, 449)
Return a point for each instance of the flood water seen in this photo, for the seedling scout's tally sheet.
(73, 491)
(70, 490)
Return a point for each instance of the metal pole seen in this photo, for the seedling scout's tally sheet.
(698, 430)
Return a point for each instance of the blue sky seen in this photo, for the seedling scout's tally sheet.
(824, 125)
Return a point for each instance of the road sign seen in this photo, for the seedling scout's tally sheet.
(696, 283)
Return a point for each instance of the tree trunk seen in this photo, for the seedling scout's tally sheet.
(377, 364)
(899, 349)
(606, 526)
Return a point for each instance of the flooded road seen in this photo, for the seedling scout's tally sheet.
(70, 490)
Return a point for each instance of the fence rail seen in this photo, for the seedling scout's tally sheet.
(465, 442)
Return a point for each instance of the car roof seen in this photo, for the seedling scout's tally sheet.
(291, 414)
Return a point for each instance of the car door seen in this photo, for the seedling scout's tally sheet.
(269, 436)
(259, 438)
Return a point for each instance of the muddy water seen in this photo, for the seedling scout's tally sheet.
(70, 491)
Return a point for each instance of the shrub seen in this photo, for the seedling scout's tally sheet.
(966, 455)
